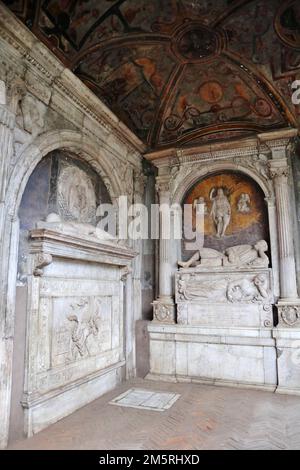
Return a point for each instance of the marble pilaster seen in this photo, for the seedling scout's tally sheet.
(163, 307)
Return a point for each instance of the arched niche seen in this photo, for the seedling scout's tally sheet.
(63, 184)
(244, 205)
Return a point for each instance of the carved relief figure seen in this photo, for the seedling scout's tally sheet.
(244, 290)
(84, 333)
(189, 289)
(236, 256)
(79, 336)
(76, 195)
(243, 204)
(33, 115)
(220, 211)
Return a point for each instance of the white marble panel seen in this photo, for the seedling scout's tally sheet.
(146, 399)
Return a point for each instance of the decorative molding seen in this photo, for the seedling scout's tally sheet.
(182, 313)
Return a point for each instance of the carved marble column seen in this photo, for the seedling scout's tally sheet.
(289, 303)
(163, 307)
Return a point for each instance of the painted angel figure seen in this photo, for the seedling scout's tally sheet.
(243, 204)
(220, 211)
(200, 203)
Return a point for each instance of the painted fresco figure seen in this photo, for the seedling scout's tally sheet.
(220, 211)
(243, 204)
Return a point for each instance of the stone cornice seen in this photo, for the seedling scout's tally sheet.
(261, 143)
(213, 152)
(278, 138)
(41, 60)
(61, 244)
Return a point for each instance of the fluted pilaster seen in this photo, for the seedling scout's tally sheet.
(279, 171)
(164, 308)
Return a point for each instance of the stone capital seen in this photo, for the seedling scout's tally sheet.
(279, 169)
(162, 185)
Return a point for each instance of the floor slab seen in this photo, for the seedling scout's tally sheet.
(146, 399)
(205, 417)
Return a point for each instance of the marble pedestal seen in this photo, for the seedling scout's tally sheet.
(288, 359)
(223, 333)
(221, 356)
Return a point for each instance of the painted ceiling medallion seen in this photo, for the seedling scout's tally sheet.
(287, 23)
(196, 43)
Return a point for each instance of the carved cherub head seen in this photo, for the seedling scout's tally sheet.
(261, 246)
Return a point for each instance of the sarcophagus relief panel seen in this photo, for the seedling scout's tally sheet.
(224, 297)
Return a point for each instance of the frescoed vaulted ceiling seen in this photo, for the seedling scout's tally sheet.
(179, 72)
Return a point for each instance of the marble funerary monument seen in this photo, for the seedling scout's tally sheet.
(174, 108)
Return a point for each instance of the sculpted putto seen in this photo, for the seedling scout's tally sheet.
(237, 256)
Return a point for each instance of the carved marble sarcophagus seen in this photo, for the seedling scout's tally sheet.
(233, 288)
(224, 296)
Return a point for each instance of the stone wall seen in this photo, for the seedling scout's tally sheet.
(45, 108)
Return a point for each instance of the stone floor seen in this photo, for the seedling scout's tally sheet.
(204, 417)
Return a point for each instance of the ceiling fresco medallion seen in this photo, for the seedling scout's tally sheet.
(287, 23)
(196, 43)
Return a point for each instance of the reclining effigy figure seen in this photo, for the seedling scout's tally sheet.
(236, 256)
